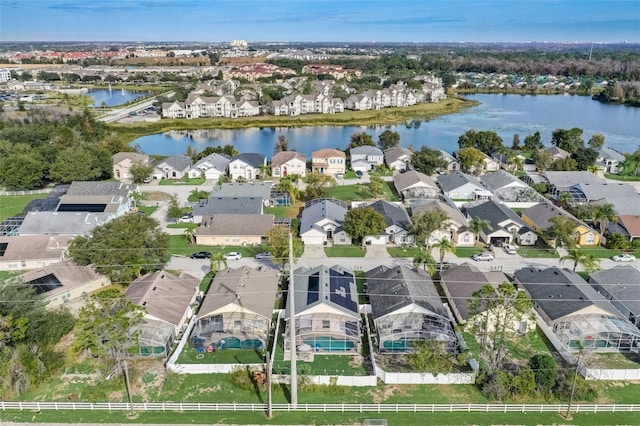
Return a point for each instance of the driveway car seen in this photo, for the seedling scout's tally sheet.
(623, 257)
(487, 257)
(201, 255)
(265, 255)
(188, 217)
(509, 249)
(234, 255)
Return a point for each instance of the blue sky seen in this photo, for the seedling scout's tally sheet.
(327, 20)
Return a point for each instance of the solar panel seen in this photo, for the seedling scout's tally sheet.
(44, 284)
(340, 290)
(92, 208)
(313, 293)
(42, 205)
(3, 248)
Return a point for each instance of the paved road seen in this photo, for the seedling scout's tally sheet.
(123, 112)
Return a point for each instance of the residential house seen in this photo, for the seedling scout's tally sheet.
(122, 162)
(211, 167)
(606, 192)
(252, 196)
(174, 167)
(366, 158)
(237, 310)
(286, 163)
(620, 285)
(18, 253)
(557, 153)
(509, 188)
(326, 315)
(115, 198)
(328, 161)
(490, 164)
(247, 166)
(609, 160)
(62, 282)
(539, 218)
(398, 159)
(457, 225)
(560, 182)
(397, 223)
(321, 222)
(62, 223)
(197, 106)
(504, 223)
(461, 282)
(228, 205)
(631, 226)
(316, 103)
(228, 229)
(414, 186)
(174, 109)
(577, 315)
(167, 301)
(406, 307)
(462, 187)
(452, 163)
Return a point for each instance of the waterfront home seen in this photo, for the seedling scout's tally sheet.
(247, 166)
(366, 158)
(609, 160)
(211, 167)
(398, 159)
(288, 163)
(328, 161)
(122, 162)
(174, 167)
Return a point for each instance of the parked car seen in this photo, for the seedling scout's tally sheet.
(359, 173)
(447, 265)
(340, 175)
(623, 257)
(233, 255)
(265, 255)
(201, 255)
(187, 217)
(147, 180)
(509, 249)
(488, 257)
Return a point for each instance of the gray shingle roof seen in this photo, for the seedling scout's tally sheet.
(610, 154)
(100, 188)
(365, 150)
(253, 159)
(164, 295)
(180, 163)
(455, 180)
(255, 190)
(622, 283)
(568, 179)
(393, 154)
(404, 180)
(464, 280)
(393, 213)
(560, 292)
(500, 179)
(229, 224)
(600, 190)
(229, 205)
(495, 213)
(316, 212)
(542, 213)
(62, 223)
(219, 162)
(282, 157)
(390, 289)
(452, 212)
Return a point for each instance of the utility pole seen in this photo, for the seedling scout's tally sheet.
(126, 381)
(269, 409)
(292, 329)
(573, 386)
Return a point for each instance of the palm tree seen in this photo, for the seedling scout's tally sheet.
(444, 246)
(427, 261)
(588, 261)
(593, 169)
(190, 234)
(217, 259)
(604, 214)
(477, 225)
(562, 231)
(631, 164)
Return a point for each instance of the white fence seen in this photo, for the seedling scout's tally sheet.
(361, 408)
(32, 192)
(609, 374)
(212, 368)
(353, 381)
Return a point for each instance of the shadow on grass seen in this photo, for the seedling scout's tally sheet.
(256, 386)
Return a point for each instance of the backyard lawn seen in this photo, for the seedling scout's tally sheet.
(12, 205)
(403, 251)
(540, 250)
(467, 251)
(190, 355)
(147, 209)
(183, 181)
(344, 251)
(361, 192)
(601, 252)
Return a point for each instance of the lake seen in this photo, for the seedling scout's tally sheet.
(504, 114)
(114, 97)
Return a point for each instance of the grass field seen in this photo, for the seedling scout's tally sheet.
(361, 192)
(403, 251)
(540, 250)
(179, 245)
(12, 205)
(467, 251)
(183, 181)
(344, 251)
(622, 178)
(601, 252)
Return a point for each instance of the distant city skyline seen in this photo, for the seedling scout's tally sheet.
(425, 21)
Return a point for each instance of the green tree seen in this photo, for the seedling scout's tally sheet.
(603, 214)
(584, 157)
(569, 140)
(174, 211)
(588, 261)
(425, 224)
(515, 144)
(542, 160)
(131, 239)
(388, 139)
(363, 221)
(190, 234)
(545, 370)
(423, 258)
(376, 186)
(486, 141)
(361, 139)
(471, 159)
(567, 164)
(533, 142)
(83, 162)
(495, 311)
(596, 141)
(216, 261)
(107, 327)
(317, 185)
(228, 150)
(281, 145)
(287, 184)
(562, 231)
(631, 164)
(444, 246)
(479, 225)
(428, 160)
(140, 171)
(21, 171)
(430, 355)
(279, 245)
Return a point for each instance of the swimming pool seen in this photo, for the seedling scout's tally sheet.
(328, 343)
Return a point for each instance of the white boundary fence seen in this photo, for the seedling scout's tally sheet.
(361, 408)
(31, 192)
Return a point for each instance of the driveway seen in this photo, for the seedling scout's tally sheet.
(377, 252)
(313, 252)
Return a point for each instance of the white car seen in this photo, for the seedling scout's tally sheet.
(509, 249)
(265, 255)
(234, 255)
(488, 257)
(623, 257)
